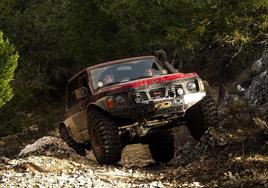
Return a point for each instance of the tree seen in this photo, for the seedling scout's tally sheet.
(8, 63)
(37, 29)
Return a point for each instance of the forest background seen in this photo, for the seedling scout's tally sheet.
(48, 41)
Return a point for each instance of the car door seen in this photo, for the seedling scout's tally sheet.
(76, 112)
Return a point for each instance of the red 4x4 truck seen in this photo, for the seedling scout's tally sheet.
(135, 100)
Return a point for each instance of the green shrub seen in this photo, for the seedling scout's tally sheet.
(8, 63)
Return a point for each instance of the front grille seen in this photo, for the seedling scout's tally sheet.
(139, 97)
(143, 96)
(171, 91)
(157, 93)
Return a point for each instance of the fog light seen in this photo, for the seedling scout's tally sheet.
(180, 91)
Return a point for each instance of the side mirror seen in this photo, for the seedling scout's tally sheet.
(81, 93)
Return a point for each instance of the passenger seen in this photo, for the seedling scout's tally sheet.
(149, 72)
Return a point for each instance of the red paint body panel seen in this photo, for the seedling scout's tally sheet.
(146, 81)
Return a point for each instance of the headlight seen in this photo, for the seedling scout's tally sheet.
(120, 100)
(191, 86)
(114, 101)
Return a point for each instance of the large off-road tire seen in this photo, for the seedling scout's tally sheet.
(105, 139)
(64, 135)
(201, 116)
(161, 145)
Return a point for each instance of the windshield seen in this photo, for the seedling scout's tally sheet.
(124, 72)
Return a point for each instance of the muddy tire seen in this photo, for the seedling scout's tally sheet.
(64, 135)
(201, 116)
(161, 145)
(105, 139)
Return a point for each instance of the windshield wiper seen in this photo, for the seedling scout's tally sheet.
(141, 77)
(122, 81)
(112, 83)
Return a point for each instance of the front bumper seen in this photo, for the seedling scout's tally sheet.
(160, 107)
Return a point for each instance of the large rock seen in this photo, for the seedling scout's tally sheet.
(256, 94)
(49, 146)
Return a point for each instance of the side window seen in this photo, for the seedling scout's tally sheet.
(79, 82)
(84, 83)
(73, 85)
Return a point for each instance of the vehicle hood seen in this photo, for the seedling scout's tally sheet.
(135, 84)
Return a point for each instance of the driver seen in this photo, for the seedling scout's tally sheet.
(108, 78)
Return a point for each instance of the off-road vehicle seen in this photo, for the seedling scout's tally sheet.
(134, 100)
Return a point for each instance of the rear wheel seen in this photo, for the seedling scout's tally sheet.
(64, 135)
(105, 139)
(201, 116)
(161, 145)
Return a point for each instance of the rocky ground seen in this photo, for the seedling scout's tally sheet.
(226, 157)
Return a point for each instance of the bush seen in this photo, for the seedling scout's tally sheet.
(8, 63)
